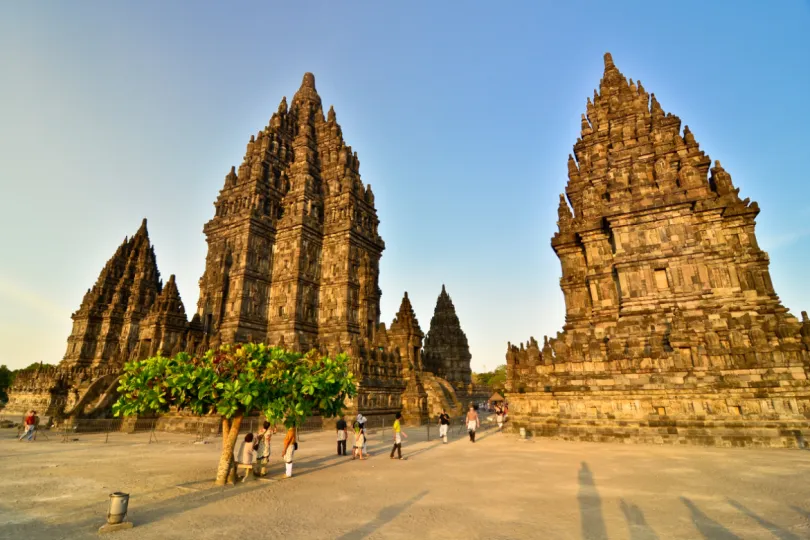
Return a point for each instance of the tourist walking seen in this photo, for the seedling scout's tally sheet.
(246, 457)
(499, 417)
(30, 423)
(398, 434)
(342, 435)
(290, 446)
(444, 425)
(263, 449)
(472, 422)
(359, 443)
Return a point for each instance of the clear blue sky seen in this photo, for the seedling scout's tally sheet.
(463, 115)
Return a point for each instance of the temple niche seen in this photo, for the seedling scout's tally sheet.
(673, 331)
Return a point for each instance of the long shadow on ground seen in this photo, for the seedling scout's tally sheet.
(774, 529)
(590, 506)
(385, 516)
(639, 529)
(707, 527)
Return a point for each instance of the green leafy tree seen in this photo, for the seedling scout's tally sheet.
(494, 379)
(6, 378)
(234, 381)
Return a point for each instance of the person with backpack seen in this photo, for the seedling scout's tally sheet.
(444, 425)
(290, 446)
(398, 434)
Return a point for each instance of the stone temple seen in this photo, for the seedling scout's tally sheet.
(673, 331)
(293, 260)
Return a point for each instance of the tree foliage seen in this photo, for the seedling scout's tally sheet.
(235, 380)
(6, 378)
(494, 379)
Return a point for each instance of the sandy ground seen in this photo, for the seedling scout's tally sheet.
(499, 487)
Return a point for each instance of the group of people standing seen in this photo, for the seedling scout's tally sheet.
(254, 453)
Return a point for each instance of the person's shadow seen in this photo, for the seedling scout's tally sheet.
(590, 506)
(385, 516)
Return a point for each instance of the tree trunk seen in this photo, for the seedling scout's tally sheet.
(229, 435)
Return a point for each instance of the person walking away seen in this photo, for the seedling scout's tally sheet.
(499, 417)
(246, 457)
(263, 450)
(290, 446)
(342, 435)
(398, 434)
(359, 443)
(444, 425)
(29, 422)
(472, 423)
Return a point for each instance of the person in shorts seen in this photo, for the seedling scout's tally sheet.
(444, 425)
(472, 422)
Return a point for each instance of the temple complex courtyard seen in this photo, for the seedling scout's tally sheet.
(499, 487)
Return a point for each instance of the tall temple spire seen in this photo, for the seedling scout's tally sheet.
(105, 325)
(447, 352)
(661, 273)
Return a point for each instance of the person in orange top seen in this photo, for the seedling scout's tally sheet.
(290, 446)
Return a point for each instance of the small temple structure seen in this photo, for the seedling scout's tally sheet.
(447, 353)
(293, 261)
(673, 331)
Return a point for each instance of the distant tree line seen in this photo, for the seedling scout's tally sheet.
(494, 379)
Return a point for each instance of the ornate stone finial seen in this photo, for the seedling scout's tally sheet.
(804, 317)
(688, 137)
(655, 107)
(331, 117)
(443, 289)
(309, 81)
(282, 107)
(608, 61)
(586, 126)
(572, 164)
(563, 212)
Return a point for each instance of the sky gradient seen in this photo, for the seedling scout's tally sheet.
(462, 114)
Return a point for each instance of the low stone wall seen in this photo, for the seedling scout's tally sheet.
(733, 418)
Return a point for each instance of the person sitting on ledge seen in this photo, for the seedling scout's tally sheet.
(247, 455)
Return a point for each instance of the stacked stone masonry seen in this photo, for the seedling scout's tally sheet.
(673, 331)
(293, 260)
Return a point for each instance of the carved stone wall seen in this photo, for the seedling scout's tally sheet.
(673, 330)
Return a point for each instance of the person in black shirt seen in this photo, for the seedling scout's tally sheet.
(444, 425)
(342, 435)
